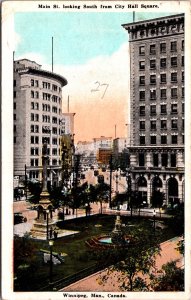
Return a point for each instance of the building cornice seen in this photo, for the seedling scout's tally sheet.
(44, 73)
(160, 27)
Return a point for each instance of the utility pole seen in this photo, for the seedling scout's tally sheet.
(110, 181)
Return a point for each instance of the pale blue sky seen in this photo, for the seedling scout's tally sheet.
(78, 36)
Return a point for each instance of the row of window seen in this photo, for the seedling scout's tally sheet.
(45, 96)
(35, 162)
(153, 78)
(163, 63)
(35, 151)
(163, 94)
(163, 139)
(163, 48)
(165, 159)
(163, 124)
(45, 107)
(163, 109)
(45, 85)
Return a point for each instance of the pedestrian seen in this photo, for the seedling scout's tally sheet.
(55, 234)
(51, 231)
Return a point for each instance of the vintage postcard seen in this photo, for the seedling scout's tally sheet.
(96, 150)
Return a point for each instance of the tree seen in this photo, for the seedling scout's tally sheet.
(25, 262)
(134, 260)
(170, 278)
(102, 193)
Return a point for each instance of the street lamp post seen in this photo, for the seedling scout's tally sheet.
(47, 213)
(154, 215)
(51, 243)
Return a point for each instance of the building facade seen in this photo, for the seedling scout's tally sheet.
(37, 116)
(157, 107)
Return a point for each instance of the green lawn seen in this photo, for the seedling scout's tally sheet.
(74, 246)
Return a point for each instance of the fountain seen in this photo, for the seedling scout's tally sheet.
(117, 238)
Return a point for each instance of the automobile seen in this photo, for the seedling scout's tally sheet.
(19, 218)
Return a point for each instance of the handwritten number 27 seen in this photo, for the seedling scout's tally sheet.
(97, 89)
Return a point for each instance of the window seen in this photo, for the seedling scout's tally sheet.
(163, 93)
(46, 85)
(183, 108)
(54, 151)
(54, 162)
(164, 159)
(163, 139)
(173, 92)
(182, 92)
(155, 159)
(153, 125)
(174, 108)
(141, 65)
(163, 78)
(141, 159)
(34, 139)
(14, 105)
(163, 63)
(54, 98)
(153, 110)
(182, 124)
(183, 76)
(142, 50)
(32, 117)
(163, 109)
(142, 110)
(174, 77)
(54, 141)
(153, 49)
(36, 83)
(182, 61)
(47, 139)
(34, 151)
(152, 94)
(152, 79)
(163, 124)
(182, 44)
(173, 159)
(36, 117)
(174, 61)
(34, 162)
(54, 87)
(142, 125)
(152, 64)
(142, 80)
(36, 95)
(54, 120)
(142, 140)
(54, 130)
(15, 94)
(173, 46)
(32, 82)
(174, 139)
(54, 109)
(163, 48)
(32, 94)
(174, 124)
(153, 139)
(15, 140)
(142, 95)
(46, 96)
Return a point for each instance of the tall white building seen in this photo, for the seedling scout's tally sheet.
(37, 116)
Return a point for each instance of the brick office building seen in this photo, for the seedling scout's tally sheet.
(157, 106)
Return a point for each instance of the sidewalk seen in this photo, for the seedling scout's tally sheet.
(91, 283)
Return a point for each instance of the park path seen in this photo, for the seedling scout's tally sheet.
(91, 283)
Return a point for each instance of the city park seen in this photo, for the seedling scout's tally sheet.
(57, 253)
